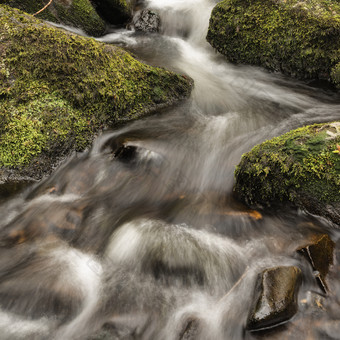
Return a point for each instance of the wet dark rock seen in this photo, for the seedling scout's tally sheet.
(9, 187)
(276, 301)
(320, 254)
(185, 275)
(126, 153)
(147, 21)
(110, 331)
(190, 329)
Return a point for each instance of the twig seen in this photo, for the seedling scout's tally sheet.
(43, 8)
(224, 297)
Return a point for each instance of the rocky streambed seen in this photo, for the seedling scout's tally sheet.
(144, 233)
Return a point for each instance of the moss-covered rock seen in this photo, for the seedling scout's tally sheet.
(57, 90)
(115, 11)
(78, 13)
(298, 38)
(302, 166)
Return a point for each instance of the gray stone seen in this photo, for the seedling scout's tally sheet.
(147, 21)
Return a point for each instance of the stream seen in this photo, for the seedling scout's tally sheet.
(141, 237)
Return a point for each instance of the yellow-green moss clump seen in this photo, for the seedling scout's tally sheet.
(301, 166)
(57, 90)
(298, 38)
(77, 13)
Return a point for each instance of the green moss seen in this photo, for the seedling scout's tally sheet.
(22, 140)
(303, 161)
(60, 89)
(81, 14)
(41, 123)
(78, 13)
(298, 38)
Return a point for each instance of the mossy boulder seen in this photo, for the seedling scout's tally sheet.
(297, 38)
(116, 12)
(77, 13)
(57, 90)
(301, 166)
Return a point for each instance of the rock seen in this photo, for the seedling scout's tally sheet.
(11, 188)
(277, 290)
(190, 330)
(147, 21)
(77, 13)
(301, 166)
(320, 254)
(58, 90)
(116, 12)
(297, 38)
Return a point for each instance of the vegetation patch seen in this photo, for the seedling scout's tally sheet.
(298, 38)
(300, 165)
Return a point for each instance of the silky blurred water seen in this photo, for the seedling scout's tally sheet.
(140, 237)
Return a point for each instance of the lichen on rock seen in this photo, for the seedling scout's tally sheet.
(297, 38)
(57, 90)
(301, 166)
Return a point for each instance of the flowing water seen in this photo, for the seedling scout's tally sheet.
(140, 237)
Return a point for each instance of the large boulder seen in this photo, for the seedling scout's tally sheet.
(298, 38)
(57, 90)
(77, 13)
(301, 166)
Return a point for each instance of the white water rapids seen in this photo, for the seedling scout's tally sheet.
(149, 243)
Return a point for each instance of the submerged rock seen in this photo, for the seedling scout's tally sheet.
(78, 13)
(320, 254)
(12, 187)
(276, 300)
(190, 330)
(297, 38)
(57, 90)
(301, 166)
(147, 21)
